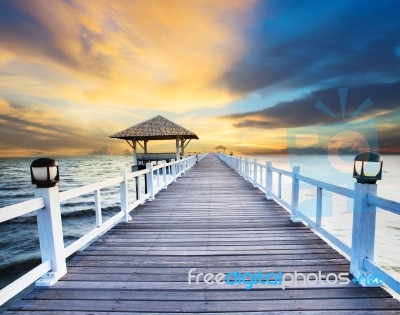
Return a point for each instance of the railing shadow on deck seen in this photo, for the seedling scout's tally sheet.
(46, 204)
(361, 252)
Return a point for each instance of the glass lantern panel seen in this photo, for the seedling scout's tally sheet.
(40, 173)
(358, 167)
(371, 168)
(53, 172)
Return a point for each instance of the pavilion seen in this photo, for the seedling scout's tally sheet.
(220, 147)
(156, 128)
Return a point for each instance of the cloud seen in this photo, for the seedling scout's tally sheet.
(318, 43)
(313, 129)
(302, 112)
(28, 129)
(102, 151)
(143, 54)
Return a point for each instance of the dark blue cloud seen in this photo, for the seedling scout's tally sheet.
(302, 43)
(303, 112)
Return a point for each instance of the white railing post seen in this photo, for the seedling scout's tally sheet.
(139, 189)
(149, 176)
(51, 235)
(179, 166)
(268, 181)
(240, 166)
(164, 168)
(236, 164)
(280, 185)
(173, 169)
(183, 165)
(318, 215)
(295, 195)
(158, 177)
(246, 169)
(255, 185)
(363, 234)
(97, 202)
(123, 187)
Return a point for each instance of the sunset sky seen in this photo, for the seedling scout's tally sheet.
(255, 76)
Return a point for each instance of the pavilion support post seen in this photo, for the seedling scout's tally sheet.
(177, 150)
(145, 146)
(135, 166)
(135, 160)
(182, 147)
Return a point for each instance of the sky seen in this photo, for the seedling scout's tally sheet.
(259, 77)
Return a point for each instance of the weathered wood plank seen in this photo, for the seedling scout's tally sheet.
(176, 295)
(209, 306)
(294, 312)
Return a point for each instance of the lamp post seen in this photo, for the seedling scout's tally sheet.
(367, 167)
(367, 170)
(44, 173)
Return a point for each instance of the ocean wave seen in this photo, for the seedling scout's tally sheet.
(31, 218)
(77, 204)
(14, 269)
(88, 212)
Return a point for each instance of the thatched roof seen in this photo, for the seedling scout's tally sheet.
(156, 128)
(220, 147)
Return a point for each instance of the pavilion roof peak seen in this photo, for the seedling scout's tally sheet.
(220, 147)
(156, 128)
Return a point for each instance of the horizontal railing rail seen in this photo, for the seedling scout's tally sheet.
(361, 256)
(22, 208)
(47, 205)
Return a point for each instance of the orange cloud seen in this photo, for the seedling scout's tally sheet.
(84, 70)
(153, 54)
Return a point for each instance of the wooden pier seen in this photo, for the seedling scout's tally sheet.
(212, 220)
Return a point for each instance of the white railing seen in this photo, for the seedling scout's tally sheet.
(201, 156)
(48, 212)
(361, 252)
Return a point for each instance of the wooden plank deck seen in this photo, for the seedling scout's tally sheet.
(214, 221)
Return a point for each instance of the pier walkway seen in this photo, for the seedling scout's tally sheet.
(214, 221)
